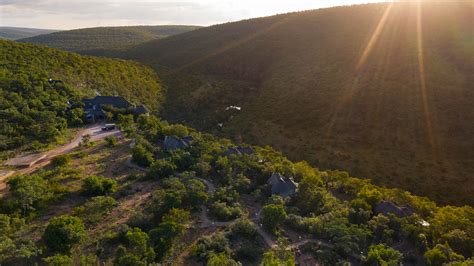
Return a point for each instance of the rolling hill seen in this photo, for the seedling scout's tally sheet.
(35, 111)
(15, 33)
(383, 91)
(97, 40)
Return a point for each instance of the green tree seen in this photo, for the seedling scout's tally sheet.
(98, 186)
(141, 156)
(221, 259)
(273, 215)
(29, 191)
(161, 169)
(381, 255)
(63, 232)
(59, 260)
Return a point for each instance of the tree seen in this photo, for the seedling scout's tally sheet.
(163, 237)
(383, 256)
(272, 216)
(59, 260)
(111, 141)
(221, 259)
(61, 160)
(63, 232)
(141, 156)
(29, 191)
(98, 186)
(161, 169)
(441, 254)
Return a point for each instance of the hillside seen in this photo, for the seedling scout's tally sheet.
(383, 91)
(96, 40)
(35, 112)
(15, 33)
(105, 203)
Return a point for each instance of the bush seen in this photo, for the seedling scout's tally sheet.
(61, 160)
(98, 186)
(141, 156)
(272, 216)
(58, 260)
(207, 245)
(161, 169)
(29, 192)
(383, 255)
(63, 232)
(244, 228)
(95, 208)
(111, 141)
(223, 212)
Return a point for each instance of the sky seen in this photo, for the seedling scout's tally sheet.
(73, 14)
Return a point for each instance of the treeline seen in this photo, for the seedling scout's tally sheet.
(35, 110)
(94, 40)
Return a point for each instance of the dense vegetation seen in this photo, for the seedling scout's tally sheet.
(344, 88)
(35, 112)
(98, 40)
(165, 225)
(15, 33)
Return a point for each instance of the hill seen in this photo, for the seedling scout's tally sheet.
(97, 40)
(35, 111)
(109, 204)
(15, 33)
(383, 91)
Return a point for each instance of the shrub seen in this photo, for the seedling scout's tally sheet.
(58, 260)
(29, 191)
(98, 186)
(224, 212)
(244, 228)
(161, 169)
(272, 216)
(141, 156)
(111, 141)
(61, 160)
(383, 255)
(207, 245)
(95, 208)
(63, 232)
(221, 259)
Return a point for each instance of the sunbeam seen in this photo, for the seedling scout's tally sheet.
(421, 73)
(375, 36)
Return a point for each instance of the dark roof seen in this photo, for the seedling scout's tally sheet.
(282, 186)
(386, 207)
(115, 101)
(174, 143)
(140, 110)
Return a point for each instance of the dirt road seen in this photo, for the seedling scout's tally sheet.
(96, 133)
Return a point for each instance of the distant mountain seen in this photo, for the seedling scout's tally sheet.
(381, 90)
(95, 40)
(14, 33)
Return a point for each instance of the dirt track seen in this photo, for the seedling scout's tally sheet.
(96, 133)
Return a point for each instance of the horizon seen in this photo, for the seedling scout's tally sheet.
(48, 14)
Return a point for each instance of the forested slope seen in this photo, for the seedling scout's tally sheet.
(381, 90)
(15, 33)
(34, 111)
(97, 40)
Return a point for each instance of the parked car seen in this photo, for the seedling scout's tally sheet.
(108, 127)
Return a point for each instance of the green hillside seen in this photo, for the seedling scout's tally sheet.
(383, 91)
(35, 112)
(15, 33)
(97, 40)
(196, 206)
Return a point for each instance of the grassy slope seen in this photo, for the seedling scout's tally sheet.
(95, 40)
(296, 77)
(14, 33)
